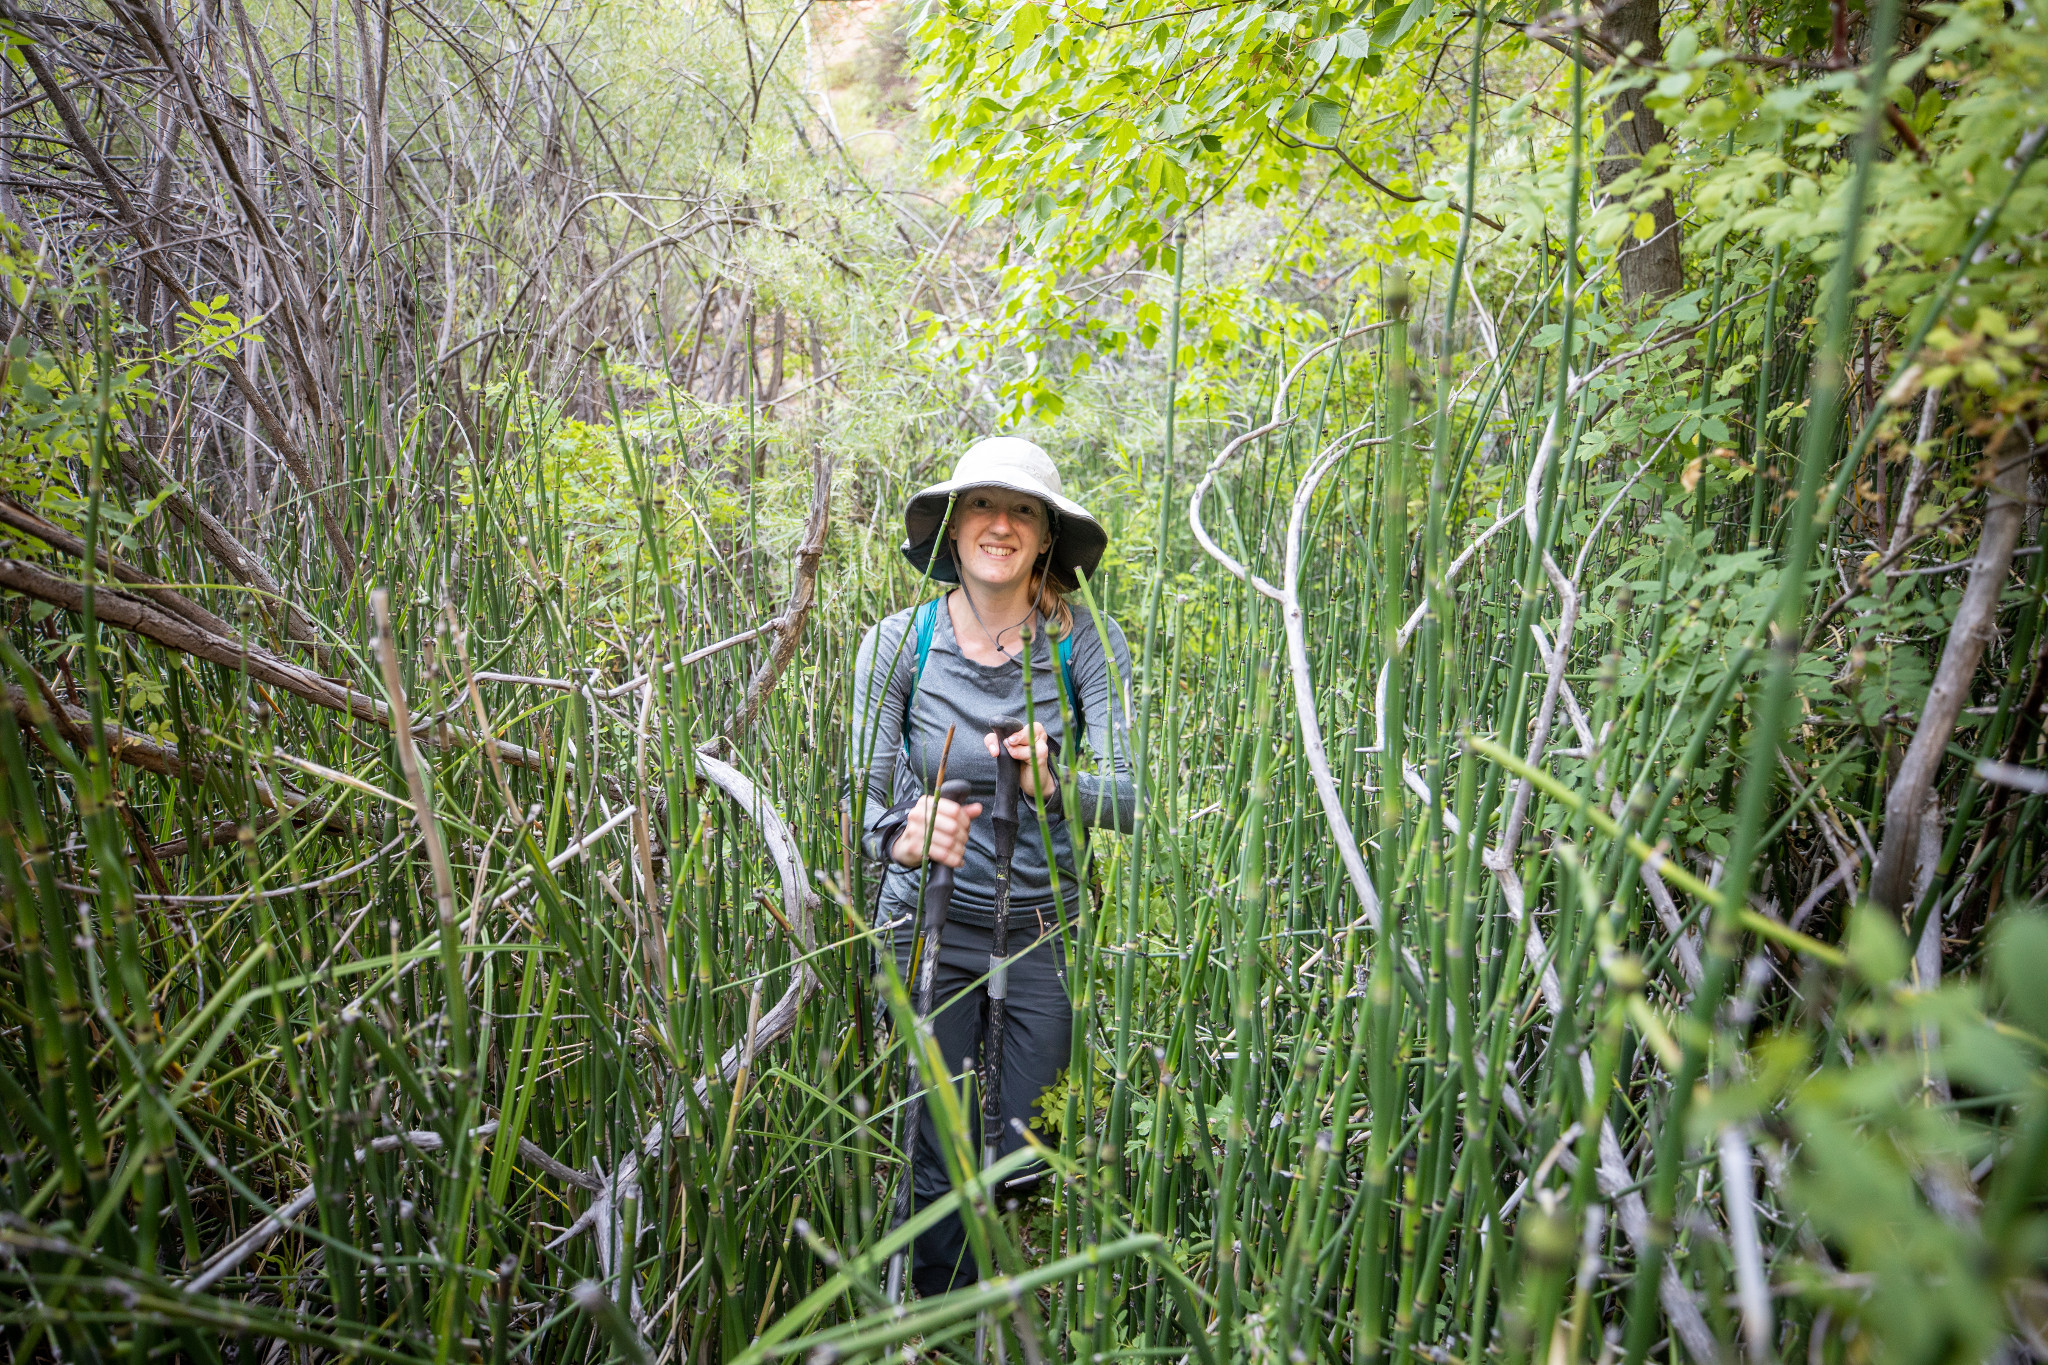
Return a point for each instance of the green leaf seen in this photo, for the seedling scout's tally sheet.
(1417, 10)
(1325, 119)
(1027, 22)
(2019, 963)
(1352, 44)
(1877, 950)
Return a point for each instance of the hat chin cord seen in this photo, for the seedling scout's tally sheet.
(1042, 566)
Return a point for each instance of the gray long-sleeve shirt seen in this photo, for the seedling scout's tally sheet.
(956, 691)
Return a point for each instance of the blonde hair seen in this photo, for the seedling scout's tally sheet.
(1052, 604)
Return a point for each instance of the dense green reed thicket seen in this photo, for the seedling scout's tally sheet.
(1589, 718)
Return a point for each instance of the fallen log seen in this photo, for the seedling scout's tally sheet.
(151, 754)
(118, 607)
(19, 519)
(242, 565)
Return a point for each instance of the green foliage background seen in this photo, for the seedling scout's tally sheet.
(608, 334)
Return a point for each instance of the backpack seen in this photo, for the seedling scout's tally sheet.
(926, 621)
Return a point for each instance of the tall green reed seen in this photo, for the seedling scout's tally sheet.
(1286, 1132)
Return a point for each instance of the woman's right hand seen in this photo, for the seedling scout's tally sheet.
(947, 825)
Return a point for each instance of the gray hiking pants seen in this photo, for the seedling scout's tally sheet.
(1037, 1038)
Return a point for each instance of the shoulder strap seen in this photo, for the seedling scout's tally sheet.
(1066, 652)
(924, 622)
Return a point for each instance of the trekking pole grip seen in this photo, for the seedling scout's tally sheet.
(1004, 807)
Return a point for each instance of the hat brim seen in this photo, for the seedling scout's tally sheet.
(1078, 538)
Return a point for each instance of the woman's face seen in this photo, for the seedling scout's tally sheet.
(998, 536)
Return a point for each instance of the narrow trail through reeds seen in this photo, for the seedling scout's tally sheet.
(442, 501)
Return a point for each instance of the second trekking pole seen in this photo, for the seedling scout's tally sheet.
(1002, 814)
(1003, 826)
(938, 895)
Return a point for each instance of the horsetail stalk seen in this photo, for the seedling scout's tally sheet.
(483, 967)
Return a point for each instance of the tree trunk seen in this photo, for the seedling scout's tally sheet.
(1975, 624)
(1649, 268)
(8, 211)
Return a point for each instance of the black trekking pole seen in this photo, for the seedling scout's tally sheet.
(938, 894)
(1003, 824)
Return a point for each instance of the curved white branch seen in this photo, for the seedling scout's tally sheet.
(1202, 486)
(224, 1262)
(1615, 1177)
(1304, 682)
(1752, 1285)
(622, 1186)
(1223, 457)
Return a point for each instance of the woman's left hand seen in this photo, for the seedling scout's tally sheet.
(1033, 752)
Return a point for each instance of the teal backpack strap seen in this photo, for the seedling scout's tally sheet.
(1066, 650)
(924, 622)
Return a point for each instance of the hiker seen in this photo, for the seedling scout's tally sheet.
(1016, 548)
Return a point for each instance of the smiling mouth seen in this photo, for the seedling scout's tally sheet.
(999, 551)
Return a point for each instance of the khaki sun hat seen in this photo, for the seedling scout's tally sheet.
(1011, 462)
